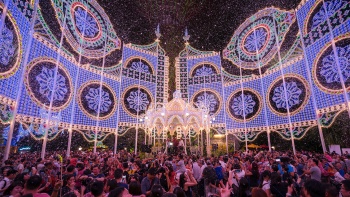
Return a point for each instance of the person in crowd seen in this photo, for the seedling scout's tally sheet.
(314, 170)
(96, 190)
(32, 187)
(120, 179)
(345, 188)
(157, 191)
(119, 192)
(14, 190)
(258, 192)
(135, 189)
(96, 174)
(265, 182)
(149, 181)
(186, 181)
(68, 185)
(179, 192)
(6, 182)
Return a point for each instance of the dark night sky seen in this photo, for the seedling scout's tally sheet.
(211, 23)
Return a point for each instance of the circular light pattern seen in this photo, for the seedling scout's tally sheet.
(207, 99)
(203, 69)
(85, 22)
(247, 106)
(256, 40)
(318, 13)
(325, 69)
(99, 103)
(10, 46)
(87, 28)
(256, 43)
(253, 45)
(43, 84)
(295, 97)
(140, 65)
(136, 100)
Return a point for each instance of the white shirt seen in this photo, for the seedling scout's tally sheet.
(223, 164)
(5, 183)
(196, 171)
(266, 185)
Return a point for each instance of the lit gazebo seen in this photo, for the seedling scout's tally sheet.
(180, 116)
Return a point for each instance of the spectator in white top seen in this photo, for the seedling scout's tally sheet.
(222, 162)
(20, 166)
(265, 183)
(196, 169)
(6, 182)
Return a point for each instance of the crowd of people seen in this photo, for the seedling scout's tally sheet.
(239, 174)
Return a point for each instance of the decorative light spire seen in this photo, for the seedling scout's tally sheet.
(158, 32)
(186, 37)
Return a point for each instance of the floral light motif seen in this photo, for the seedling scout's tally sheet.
(255, 41)
(293, 95)
(322, 15)
(85, 23)
(7, 49)
(329, 68)
(46, 83)
(204, 71)
(207, 100)
(140, 67)
(237, 105)
(93, 98)
(138, 100)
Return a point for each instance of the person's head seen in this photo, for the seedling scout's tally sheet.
(119, 192)
(8, 163)
(179, 192)
(33, 183)
(266, 175)
(314, 162)
(5, 170)
(151, 174)
(111, 185)
(23, 177)
(70, 169)
(312, 189)
(68, 180)
(135, 188)
(157, 191)
(95, 170)
(118, 173)
(330, 191)
(125, 165)
(14, 189)
(97, 188)
(11, 174)
(258, 192)
(345, 188)
(80, 166)
(338, 166)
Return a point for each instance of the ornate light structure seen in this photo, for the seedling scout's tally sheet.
(178, 115)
